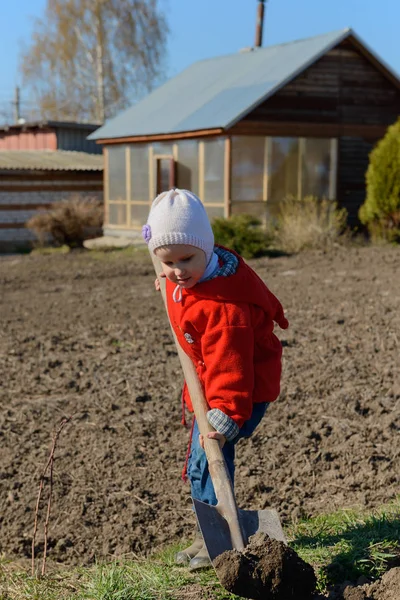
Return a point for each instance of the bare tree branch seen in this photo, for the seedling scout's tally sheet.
(50, 463)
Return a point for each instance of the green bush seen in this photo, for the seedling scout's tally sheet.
(381, 209)
(242, 233)
(309, 223)
(70, 223)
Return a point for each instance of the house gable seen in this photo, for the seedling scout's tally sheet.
(343, 86)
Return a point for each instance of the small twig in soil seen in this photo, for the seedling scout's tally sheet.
(50, 463)
(141, 500)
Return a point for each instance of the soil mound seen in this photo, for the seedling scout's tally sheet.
(266, 570)
(386, 588)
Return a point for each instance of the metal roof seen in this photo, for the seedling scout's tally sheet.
(24, 125)
(218, 92)
(49, 160)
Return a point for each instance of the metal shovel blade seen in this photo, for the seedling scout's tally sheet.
(215, 528)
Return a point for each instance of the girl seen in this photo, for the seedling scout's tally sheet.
(223, 317)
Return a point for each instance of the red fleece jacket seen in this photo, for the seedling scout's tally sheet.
(226, 327)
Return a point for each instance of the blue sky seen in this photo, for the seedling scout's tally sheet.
(206, 28)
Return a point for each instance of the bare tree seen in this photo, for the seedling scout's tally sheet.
(88, 59)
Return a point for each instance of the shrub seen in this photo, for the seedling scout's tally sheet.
(309, 223)
(381, 209)
(70, 223)
(242, 233)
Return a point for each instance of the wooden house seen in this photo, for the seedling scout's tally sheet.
(246, 130)
(42, 163)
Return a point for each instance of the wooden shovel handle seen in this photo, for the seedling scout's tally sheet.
(216, 462)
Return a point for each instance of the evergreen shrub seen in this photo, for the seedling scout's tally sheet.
(243, 233)
(381, 209)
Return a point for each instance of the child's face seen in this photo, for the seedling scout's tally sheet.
(182, 264)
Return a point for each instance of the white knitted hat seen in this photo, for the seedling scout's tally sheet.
(178, 217)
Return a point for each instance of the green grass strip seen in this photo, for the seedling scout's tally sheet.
(341, 546)
(349, 544)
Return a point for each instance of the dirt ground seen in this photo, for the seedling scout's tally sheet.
(87, 338)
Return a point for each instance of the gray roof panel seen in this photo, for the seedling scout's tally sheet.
(49, 160)
(218, 92)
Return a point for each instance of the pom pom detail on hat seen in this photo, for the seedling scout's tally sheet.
(179, 217)
(146, 233)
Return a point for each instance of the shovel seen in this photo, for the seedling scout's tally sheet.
(224, 526)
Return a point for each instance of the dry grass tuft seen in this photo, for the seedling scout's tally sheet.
(70, 223)
(309, 223)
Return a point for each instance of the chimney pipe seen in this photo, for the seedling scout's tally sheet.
(260, 23)
(17, 105)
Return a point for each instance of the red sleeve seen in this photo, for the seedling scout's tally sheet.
(229, 366)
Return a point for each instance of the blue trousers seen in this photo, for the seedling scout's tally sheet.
(200, 481)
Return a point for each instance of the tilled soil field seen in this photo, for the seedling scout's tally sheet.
(86, 337)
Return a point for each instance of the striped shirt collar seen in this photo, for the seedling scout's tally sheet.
(229, 264)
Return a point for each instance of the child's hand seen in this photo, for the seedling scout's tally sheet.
(157, 283)
(213, 435)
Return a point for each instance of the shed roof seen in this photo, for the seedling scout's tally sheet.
(45, 124)
(49, 160)
(218, 92)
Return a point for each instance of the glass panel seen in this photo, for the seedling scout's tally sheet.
(165, 174)
(214, 152)
(139, 214)
(214, 211)
(140, 172)
(283, 172)
(187, 167)
(316, 163)
(116, 173)
(162, 148)
(117, 214)
(248, 168)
